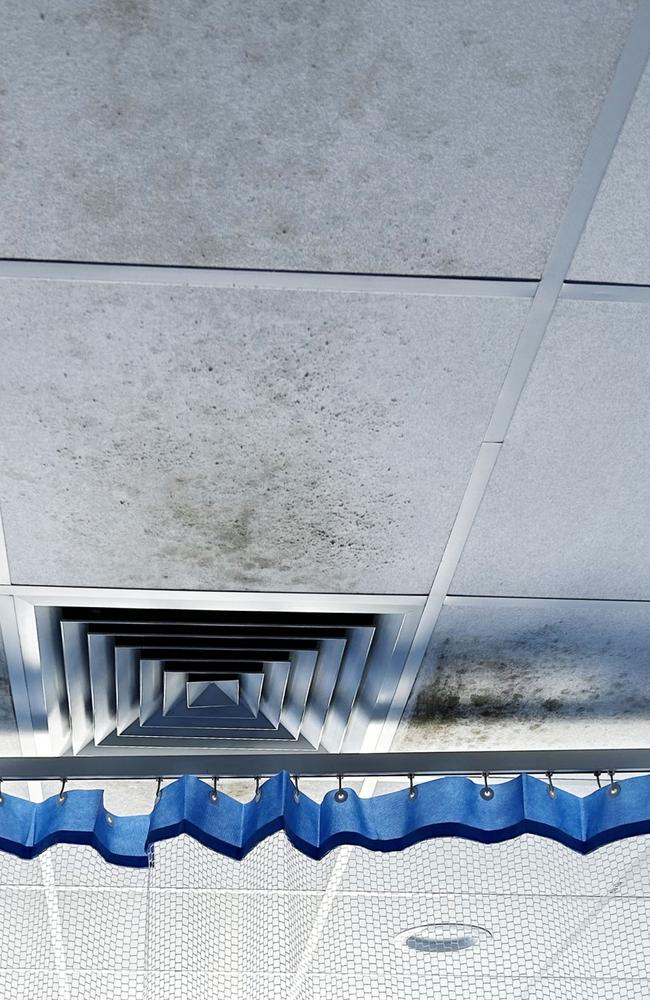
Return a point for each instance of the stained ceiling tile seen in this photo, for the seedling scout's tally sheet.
(369, 136)
(566, 511)
(504, 675)
(227, 439)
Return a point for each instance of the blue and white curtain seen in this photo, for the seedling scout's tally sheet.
(452, 806)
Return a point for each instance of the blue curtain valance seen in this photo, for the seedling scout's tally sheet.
(445, 807)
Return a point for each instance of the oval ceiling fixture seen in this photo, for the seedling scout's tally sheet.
(442, 937)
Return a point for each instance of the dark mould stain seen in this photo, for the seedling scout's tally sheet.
(438, 701)
(467, 688)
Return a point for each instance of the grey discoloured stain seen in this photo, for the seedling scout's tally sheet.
(368, 136)
(566, 511)
(504, 677)
(615, 246)
(227, 440)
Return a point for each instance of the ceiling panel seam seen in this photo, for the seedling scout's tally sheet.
(488, 454)
(467, 286)
(613, 113)
(512, 600)
(233, 278)
(603, 292)
(266, 600)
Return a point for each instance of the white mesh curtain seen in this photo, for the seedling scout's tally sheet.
(542, 922)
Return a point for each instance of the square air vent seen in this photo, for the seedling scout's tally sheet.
(199, 673)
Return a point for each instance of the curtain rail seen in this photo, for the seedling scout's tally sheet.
(250, 765)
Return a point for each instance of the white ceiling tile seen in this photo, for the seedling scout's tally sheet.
(615, 246)
(566, 511)
(433, 138)
(228, 439)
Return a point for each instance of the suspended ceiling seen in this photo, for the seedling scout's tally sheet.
(293, 428)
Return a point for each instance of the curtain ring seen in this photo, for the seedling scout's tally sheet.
(486, 792)
(214, 794)
(597, 775)
(258, 791)
(340, 795)
(62, 791)
(614, 787)
(296, 789)
(413, 792)
(552, 791)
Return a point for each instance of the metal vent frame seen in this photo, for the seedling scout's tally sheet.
(52, 708)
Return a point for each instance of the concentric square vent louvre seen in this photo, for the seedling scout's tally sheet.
(200, 673)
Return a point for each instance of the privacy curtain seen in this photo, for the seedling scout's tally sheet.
(452, 806)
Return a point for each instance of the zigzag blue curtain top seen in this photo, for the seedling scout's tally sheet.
(444, 807)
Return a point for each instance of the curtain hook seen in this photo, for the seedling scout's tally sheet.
(258, 791)
(486, 792)
(552, 791)
(214, 794)
(614, 787)
(597, 775)
(413, 792)
(158, 789)
(296, 789)
(341, 795)
(62, 790)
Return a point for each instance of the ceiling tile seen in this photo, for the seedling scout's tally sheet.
(234, 440)
(437, 138)
(615, 246)
(505, 675)
(566, 511)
